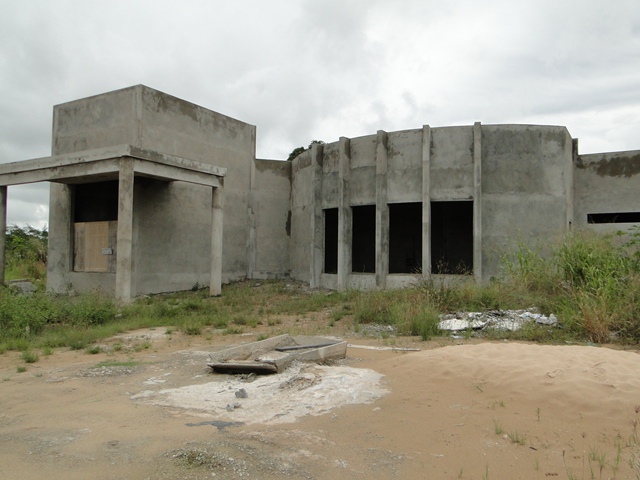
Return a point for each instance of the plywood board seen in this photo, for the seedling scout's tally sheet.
(94, 247)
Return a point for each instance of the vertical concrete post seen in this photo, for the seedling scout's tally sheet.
(217, 208)
(382, 210)
(252, 219)
(568, 182)
(426, 201)
(3, 230)
(317, 220)
(477, 201)
(345, 226)
(60, 249)
(124, 243)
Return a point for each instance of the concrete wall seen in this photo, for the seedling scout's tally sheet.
(518, 177)
(301, 211)
(606, 183)
(272, 218)
(173, 244)
(526, 188)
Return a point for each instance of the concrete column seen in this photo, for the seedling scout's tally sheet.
(568, 182)
(3, 231)
(60, 250)
(217, 208)
(317, 219)
(345, 225)
(382, 210)
(426, 201)
(252, 219)
(124, 243)
(477, 202)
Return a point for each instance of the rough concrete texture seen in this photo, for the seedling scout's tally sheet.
(606, 183)
(479, 189)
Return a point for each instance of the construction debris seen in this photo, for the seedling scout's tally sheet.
(511, 320)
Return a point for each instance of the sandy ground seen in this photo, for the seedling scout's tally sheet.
(456, 409)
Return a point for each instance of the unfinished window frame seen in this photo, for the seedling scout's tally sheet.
(363, 239)
(451, 237)
(330, 241)
(405, 238)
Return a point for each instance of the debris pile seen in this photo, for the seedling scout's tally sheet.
(511, 320)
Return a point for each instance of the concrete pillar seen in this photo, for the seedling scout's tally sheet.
(426, 201)
(217, 209)
(477, 202)
(60, 249)
(252, 220)
(124, 243)
(3, 231)
(345, 225)
(382, 211)
(568, 183)
(317, 218)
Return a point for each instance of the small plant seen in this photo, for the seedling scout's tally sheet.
(47, 350)
(21, 369)
(138, 347)
(93, 350)
(497, 427)
(117, 347)
(192, 328)
(232, 331)
(515, 437)
(29, 357)
(262, 336)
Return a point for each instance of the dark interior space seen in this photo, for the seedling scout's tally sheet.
(452, 237)
(405, 237)
(330, 240)
(96, 202)
(363, 245)
(618, 217)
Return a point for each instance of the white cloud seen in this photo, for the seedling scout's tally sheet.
(306, 69)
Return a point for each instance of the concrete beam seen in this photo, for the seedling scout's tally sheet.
(317, 218)
(217, 222)
(382, 210)
(104, 162)
(477, 202)
(426, 201)
(3, 231)
(124, 262)
(345, 225)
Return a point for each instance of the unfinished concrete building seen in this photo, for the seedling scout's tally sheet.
(150, 193)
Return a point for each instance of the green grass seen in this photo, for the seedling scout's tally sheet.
(591, 283)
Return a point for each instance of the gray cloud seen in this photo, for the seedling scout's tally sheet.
(304, 69)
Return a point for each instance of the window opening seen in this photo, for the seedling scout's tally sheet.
(452, 237)
(405, 237)
(618, 217)
(330, 240)
(363, 244)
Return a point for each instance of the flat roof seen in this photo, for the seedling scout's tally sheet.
(104, 164)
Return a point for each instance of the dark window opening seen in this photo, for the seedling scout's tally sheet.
(452, 237)
(96, 202)
(405, 237)
(618, 217)
(330, 240)
(363, 245)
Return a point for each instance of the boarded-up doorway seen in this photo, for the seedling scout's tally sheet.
(95, 227)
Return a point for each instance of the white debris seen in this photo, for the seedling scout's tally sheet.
(511, 320)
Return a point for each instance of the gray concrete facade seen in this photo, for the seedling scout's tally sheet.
(177, 196)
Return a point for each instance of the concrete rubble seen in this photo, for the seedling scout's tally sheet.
(511, 320)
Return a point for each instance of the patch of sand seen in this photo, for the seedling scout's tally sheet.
(497, 410)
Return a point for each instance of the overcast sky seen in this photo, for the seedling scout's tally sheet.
(302, 70)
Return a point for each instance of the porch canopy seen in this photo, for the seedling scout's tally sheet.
(122, 163)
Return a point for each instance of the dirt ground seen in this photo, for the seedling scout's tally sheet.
(456, 409)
